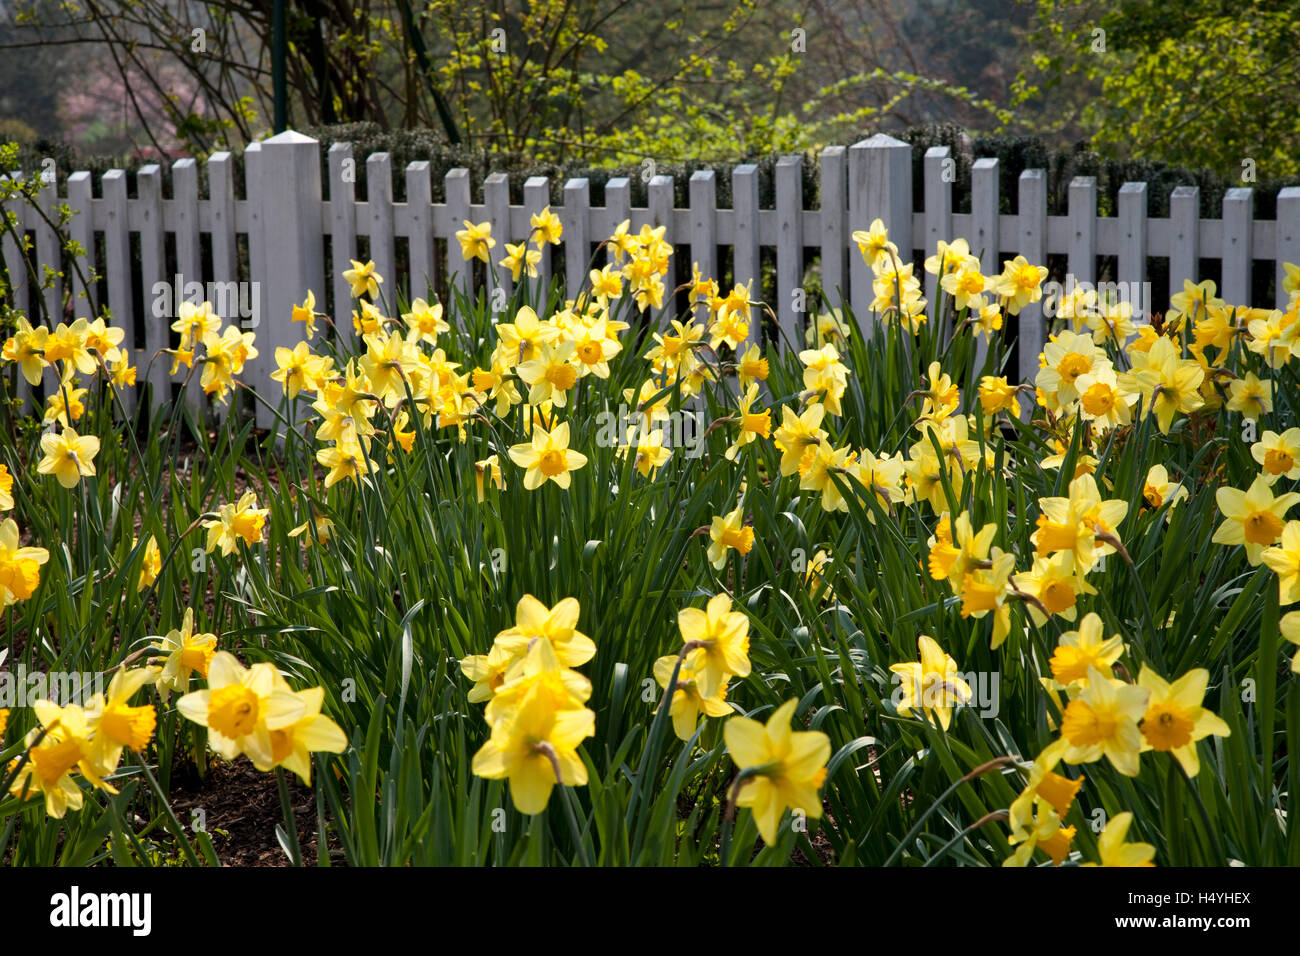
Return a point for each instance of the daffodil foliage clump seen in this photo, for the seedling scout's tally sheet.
(586, 576)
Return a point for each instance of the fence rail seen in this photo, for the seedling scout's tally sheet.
(285, 221)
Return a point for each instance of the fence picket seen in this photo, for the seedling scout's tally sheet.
(379, 203)
(744, 236)
(496, 196)
(938, 208)
(985, 230)
(660, 207)
(343, 236)
(618, 207)
(537, 196)
(1185, 231)
(156, 365)
(1033, 246)
(832, 206)
(16, 268)
(704, 239)
(419, 220)
(1237, 245)
(576, 215)
(1288, 240)
(1082, 261)
(81, 228)
(1133, 246)
(48, 247)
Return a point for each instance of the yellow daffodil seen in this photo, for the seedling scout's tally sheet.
(235, 522)
(306, 314)
(293, 744)
(363, 279)
(727, 532)
(779, 767)
(1251, 396)
(69, 457)
(1290, 629)
(20, 567)
(1115, 852)
(186, 652)
(535, 748)
(1175, 720)
(798, 437)
(241, 706)
(547, 457)
(1253, 518)
(475, 240)
(1158, 489)
(65, 747)
(1103, 721)
(150, 562)
(546, 227)
(1278, 455)
(114, 723)
(716, 642)
(687, 702)
(932, 684)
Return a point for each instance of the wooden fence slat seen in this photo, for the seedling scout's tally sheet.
(260, 270)
(1237, 244)
(880, 187)
(343, 237)
(618, 207)
(118, 266)
(1185, 233)
(460, 272)
(704, 237)
(660, 206)
(789, 251)
(379, 205)
(985, 232)
(419, 203)
(48, 248)
(221, 200)
(156, 285)
(833, 206)
(938, 209)
(81, 228)
(744, 201)
(16, 268)
(1288, 240)
(189, 265)
(496, 196)
(1030, 331)
(290, 192)
(1082, 261)
(225, 248)
(1133, 246)
(537, 196)
(576, 216)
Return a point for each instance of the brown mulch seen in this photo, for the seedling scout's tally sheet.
(242, 809)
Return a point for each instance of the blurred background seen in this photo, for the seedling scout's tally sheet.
(1199, 84)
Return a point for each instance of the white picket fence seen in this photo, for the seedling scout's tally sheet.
(286, 219)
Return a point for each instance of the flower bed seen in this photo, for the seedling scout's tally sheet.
(585, 580)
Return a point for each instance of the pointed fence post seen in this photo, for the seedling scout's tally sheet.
(288, 190)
